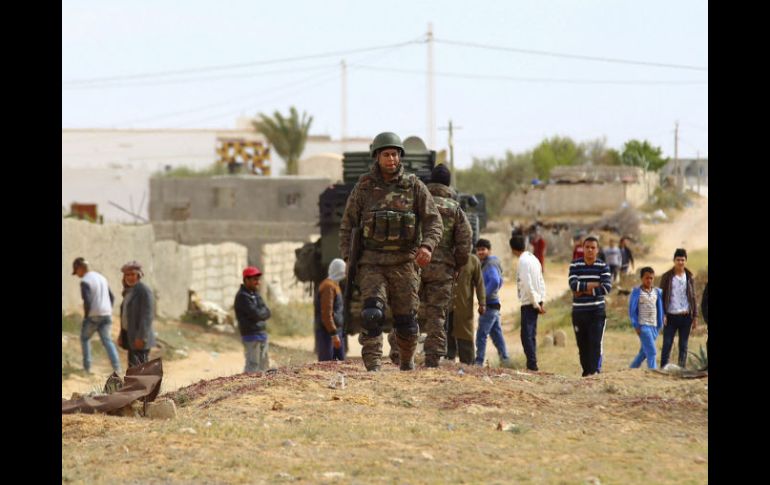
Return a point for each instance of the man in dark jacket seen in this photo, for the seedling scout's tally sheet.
(252, 313)
(136, 315)
(680, 307)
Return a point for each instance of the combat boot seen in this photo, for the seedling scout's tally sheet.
(406, 348)
(432, 360)
(393, 348)
(371, 351)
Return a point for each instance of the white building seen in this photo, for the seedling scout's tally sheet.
(112, 167)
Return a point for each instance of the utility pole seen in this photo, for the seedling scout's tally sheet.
(431, 118)
(697, 167)
(344, 114)
(676, 157)
(451, 129)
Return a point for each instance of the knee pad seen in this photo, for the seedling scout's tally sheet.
(406, 325)
(373, 316)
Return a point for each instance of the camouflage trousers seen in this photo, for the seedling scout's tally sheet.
(435, 299)
(397, 285)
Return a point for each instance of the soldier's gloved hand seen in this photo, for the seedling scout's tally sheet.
(422, 258)
(336, 341)
(138, 344)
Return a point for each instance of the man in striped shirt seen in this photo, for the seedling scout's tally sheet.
(589, 280)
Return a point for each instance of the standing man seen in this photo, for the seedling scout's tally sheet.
(386, 206)
(614, 260)
(136, 314)
(252, 314)
(330, 344)
(531, 288)
(627, 258)
(538, 247)
(679, 304)
(489, 322)
(448, 258)
(589, 280)
(97, 313)
(460, 320)
(577, 249)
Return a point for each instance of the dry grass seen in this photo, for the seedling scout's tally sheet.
(427, 426)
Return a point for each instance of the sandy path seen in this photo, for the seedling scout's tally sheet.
(690, 230)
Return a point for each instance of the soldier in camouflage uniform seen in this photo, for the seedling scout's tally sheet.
(391, 208)
(449, 257)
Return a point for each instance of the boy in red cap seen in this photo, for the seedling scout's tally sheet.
(252, 314)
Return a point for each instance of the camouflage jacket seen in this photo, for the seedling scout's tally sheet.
(456, 240)
(362, 197)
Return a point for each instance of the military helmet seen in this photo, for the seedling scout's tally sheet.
(386, 140)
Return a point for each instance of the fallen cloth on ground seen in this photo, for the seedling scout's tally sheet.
(141, 382)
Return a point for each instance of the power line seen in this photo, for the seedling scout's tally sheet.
(236, 66)
(533, 79)
(568, 56)
(131, 84)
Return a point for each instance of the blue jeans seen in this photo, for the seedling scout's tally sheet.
(674, 324)
(103, 326)
(490, 325)
(256, 356)
(647, 351)
(324, 346)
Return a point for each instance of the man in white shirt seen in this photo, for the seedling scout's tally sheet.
(97, 313)
(531, 290)
(680, 307)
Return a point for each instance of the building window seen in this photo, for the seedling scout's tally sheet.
(290, 198)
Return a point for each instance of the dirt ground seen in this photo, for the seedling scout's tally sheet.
(458, 424)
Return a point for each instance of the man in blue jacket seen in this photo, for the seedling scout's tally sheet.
(645, 307)
(252, 314)
(489, 321)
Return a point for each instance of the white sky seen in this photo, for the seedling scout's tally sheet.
(103, 39)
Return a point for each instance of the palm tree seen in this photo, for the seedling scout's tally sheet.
(287, 135)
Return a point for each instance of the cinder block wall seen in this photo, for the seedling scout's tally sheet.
(171, 269)
(282, 285)
(559, 199)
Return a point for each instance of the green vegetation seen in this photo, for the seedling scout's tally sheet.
(287, 135)
(292, 319)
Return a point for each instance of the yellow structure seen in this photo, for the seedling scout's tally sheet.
(253, 156)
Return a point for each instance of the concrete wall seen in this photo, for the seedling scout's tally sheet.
(560, 199)
(252, 235)
(170, 269)
(282, 285)
(237, 198)
(326, 165)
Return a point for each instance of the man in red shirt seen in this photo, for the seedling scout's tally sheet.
(577, 251)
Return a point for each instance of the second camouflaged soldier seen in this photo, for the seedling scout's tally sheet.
(391, 208)
(449, 257)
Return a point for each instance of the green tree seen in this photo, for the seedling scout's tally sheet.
(287, 135)
(496, 178)
(642, 154)
(556, 151)
(597, 153)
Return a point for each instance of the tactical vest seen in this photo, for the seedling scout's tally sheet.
(448, 209)
(388, 221)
